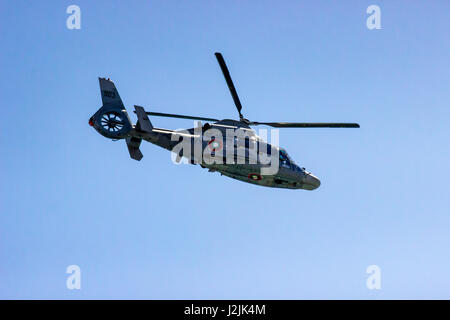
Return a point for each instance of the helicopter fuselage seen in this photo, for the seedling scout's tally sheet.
(231, 154)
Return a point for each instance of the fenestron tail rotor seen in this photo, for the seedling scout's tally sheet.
(111, 121)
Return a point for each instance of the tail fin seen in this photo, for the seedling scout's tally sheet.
(111, 120)
(110, 95)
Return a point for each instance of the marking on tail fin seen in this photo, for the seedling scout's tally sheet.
(110, 95)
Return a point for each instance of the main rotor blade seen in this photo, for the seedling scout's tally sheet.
(307, 124)
(230, 84)
(169, 115)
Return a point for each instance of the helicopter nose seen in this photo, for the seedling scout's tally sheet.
(310, 182)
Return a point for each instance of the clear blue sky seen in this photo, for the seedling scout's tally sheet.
(155, 230)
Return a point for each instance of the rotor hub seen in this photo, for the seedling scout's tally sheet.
(111, 121)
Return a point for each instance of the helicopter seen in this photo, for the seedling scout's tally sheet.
(230, 147)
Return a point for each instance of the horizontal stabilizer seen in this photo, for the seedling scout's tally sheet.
(143, 120)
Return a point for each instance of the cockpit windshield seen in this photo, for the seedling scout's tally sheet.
(287, 162)
(285, 157)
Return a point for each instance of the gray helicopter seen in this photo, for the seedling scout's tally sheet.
(228, 146)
